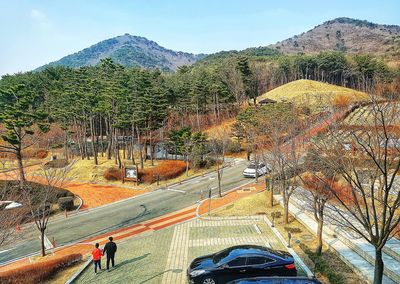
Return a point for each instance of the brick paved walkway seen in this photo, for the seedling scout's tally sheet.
(187, 237)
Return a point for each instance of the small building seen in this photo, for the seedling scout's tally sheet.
(266, 102)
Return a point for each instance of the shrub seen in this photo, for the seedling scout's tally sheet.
(323, 265)
(233, 147)
(292, 230)
(341, 101)
(56, 164)
(166, 170)
(38, 272)
(113, 174)
(66, 203)
(35, 153)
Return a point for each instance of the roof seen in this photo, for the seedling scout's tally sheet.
(235, 251)
(266, 101)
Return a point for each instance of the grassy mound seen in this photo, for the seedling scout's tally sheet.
(314, 94)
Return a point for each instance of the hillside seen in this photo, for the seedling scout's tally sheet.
(316, 95)
(345, 34)
(128, 51)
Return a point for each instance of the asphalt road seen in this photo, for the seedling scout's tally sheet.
(124, 213)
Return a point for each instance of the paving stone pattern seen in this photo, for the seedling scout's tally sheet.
(210, 235)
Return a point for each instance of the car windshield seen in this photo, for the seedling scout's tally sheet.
(252, 166)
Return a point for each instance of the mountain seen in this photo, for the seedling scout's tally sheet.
(347, 35)
(129, 51)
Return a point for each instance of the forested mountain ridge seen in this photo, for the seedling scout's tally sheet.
(129, 51)
(341, 34)
(347, 35)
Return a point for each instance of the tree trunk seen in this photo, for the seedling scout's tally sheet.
(133, 145)
(118, 156)
(151, 150)
(140, 148)
(271, 192)
(42, 241)
(187, 165)
(219, 180)
(94, 148)
(18, 154)
(286, 212)
(319, 236)
(110, 139)
(66, 145)
(378, 273)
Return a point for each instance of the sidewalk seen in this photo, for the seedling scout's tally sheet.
(155, 224)
(341, 245)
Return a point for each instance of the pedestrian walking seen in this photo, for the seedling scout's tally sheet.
(96, 255)
(110, 249)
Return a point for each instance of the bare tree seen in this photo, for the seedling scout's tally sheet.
(320, 189)
(278, 128)
(40, 198)
(368, 205)
(10, 219)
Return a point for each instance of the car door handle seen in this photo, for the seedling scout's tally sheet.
(243, 270)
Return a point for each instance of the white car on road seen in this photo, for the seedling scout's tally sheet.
(250, 171)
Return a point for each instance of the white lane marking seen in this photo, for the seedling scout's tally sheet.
(176, 190)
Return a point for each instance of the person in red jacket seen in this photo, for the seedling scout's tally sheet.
(96, 254)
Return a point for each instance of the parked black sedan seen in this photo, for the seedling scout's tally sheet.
(277, 280)
(240, 262)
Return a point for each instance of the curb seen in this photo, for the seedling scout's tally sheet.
(80, 205)
(80, 270)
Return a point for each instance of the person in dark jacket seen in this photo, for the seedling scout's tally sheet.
(110, 249)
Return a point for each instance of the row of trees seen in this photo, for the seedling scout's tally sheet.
(107, 101)
(356, 188)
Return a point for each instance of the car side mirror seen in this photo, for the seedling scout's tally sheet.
(224, 266)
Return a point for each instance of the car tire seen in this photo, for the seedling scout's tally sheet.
(208, 280)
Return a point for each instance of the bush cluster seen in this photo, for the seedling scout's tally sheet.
(166, 170)
(38, 272)
(113, 174)
(322, 266)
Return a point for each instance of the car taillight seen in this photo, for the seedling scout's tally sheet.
(290, 266)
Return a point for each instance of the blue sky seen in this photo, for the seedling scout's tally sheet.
(35, 32)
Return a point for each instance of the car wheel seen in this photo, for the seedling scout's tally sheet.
(209, 280)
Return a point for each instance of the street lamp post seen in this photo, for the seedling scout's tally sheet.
(209, 188)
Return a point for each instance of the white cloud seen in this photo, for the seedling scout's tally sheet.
(38, 15)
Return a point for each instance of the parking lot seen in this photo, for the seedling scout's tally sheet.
(163, 256)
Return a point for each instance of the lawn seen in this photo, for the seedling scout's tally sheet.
(85, 171)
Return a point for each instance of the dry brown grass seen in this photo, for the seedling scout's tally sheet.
(38, 272)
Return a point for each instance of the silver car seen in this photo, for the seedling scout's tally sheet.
(250, 171)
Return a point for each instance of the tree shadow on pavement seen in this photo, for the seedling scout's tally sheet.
(161, 273)
(128, 261)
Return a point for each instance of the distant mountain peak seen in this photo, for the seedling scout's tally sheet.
(346, 35)
(130, 51)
